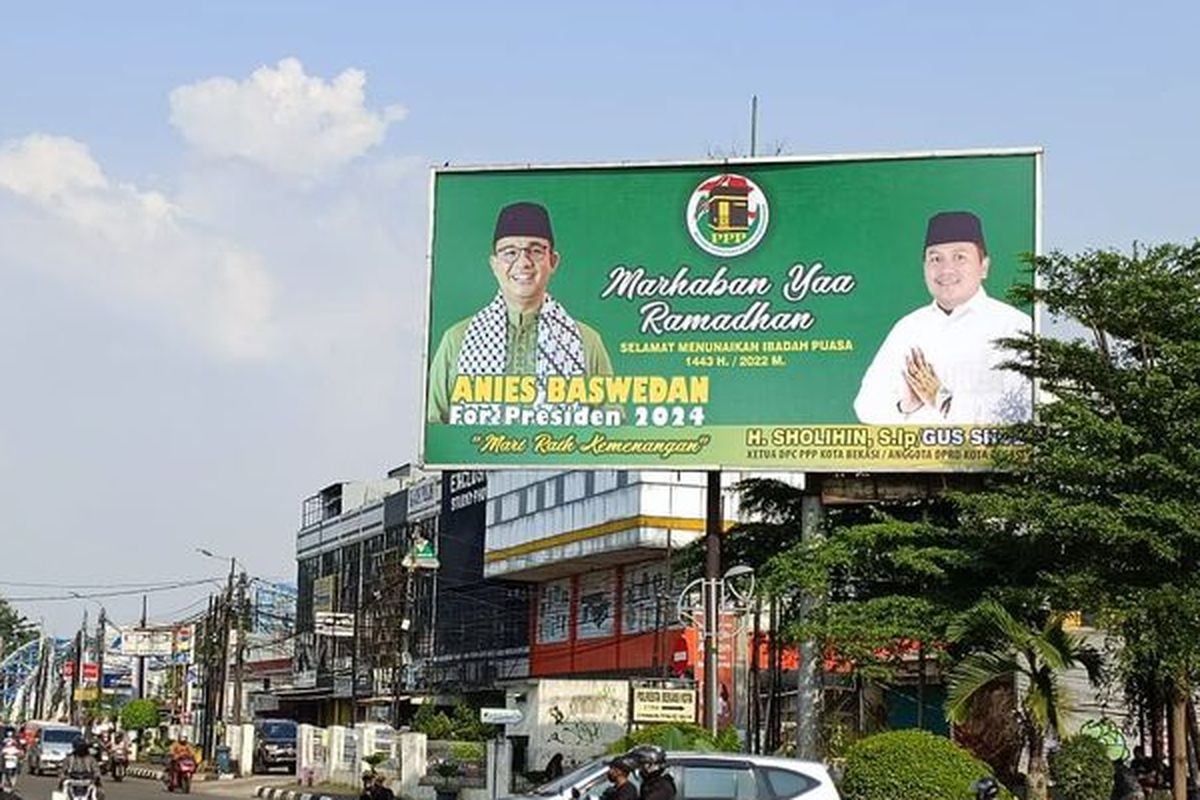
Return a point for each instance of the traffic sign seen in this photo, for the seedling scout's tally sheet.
(500, 716)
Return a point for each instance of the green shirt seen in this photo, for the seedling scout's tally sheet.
(520, 356)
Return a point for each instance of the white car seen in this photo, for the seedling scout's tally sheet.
(707, 776)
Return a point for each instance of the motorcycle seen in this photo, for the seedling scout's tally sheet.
(8, 775)
(79, 789)
(179, 774)
(100, 752)
(120, 763)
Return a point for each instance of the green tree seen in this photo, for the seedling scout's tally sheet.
(889, 575)
(15, 630)
(1110, 479)
(1007, 649)
(138, 715)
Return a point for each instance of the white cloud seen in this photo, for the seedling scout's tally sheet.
(135, 248)
(280, 118)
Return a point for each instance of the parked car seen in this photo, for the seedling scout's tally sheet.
(707, 776)
(274, 745)
(51, 744)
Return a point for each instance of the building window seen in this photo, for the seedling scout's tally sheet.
(606, 480)
(510, 506)
(597, 605)
(641, 594)
(554, 611)
(574, 486)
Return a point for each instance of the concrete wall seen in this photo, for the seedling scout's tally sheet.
(577, 718)
(335, 754)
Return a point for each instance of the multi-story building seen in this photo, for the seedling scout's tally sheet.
(392, 592)
(600, 552)
(597, 549)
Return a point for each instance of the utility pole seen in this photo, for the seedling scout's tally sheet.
(77, 671)
(240, 649)
(39, 700)
(141, 680)
(226, 627)
(207, 729)
(100, 638)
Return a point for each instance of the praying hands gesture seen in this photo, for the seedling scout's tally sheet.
(921, 384)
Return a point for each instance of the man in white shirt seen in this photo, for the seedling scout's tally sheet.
(940, 364)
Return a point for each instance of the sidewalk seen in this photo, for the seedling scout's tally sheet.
(204, 783)
(285, 793)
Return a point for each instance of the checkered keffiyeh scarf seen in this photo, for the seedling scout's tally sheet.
(559, 345)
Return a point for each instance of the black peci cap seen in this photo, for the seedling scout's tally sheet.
(523, 219)
(955, 226)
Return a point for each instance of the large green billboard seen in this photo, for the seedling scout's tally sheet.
(834, 314)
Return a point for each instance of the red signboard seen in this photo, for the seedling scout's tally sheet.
(91, 671)
(681, 657)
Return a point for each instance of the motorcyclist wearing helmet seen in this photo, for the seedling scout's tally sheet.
(10, 754)
(619, 770)
(80, 765)
(179, 750)
(652, 766)
(986, 789)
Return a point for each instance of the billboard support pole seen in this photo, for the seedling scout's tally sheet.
(712, 593)
(808, 682)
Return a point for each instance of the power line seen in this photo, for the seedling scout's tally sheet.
(150, 589)
(130, 585)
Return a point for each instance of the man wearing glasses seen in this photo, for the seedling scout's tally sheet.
(523, 331)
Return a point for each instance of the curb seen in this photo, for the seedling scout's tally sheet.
(150, 773)
(277, 793)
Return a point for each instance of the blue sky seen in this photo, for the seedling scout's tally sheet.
(153, 408)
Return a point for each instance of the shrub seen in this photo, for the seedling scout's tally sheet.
(461, 724)
(433, 723)
(679, 736)
(468, 751)
(1081, 770)
(913, 765)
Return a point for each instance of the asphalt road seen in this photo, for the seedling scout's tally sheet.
(38, 788)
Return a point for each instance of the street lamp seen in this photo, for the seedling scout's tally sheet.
(733, 591)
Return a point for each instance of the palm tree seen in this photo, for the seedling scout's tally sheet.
(1008, 648)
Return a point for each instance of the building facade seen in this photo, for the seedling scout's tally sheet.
(393, 604)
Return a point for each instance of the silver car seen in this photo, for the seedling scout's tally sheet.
(51, 745)
(707, 776)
